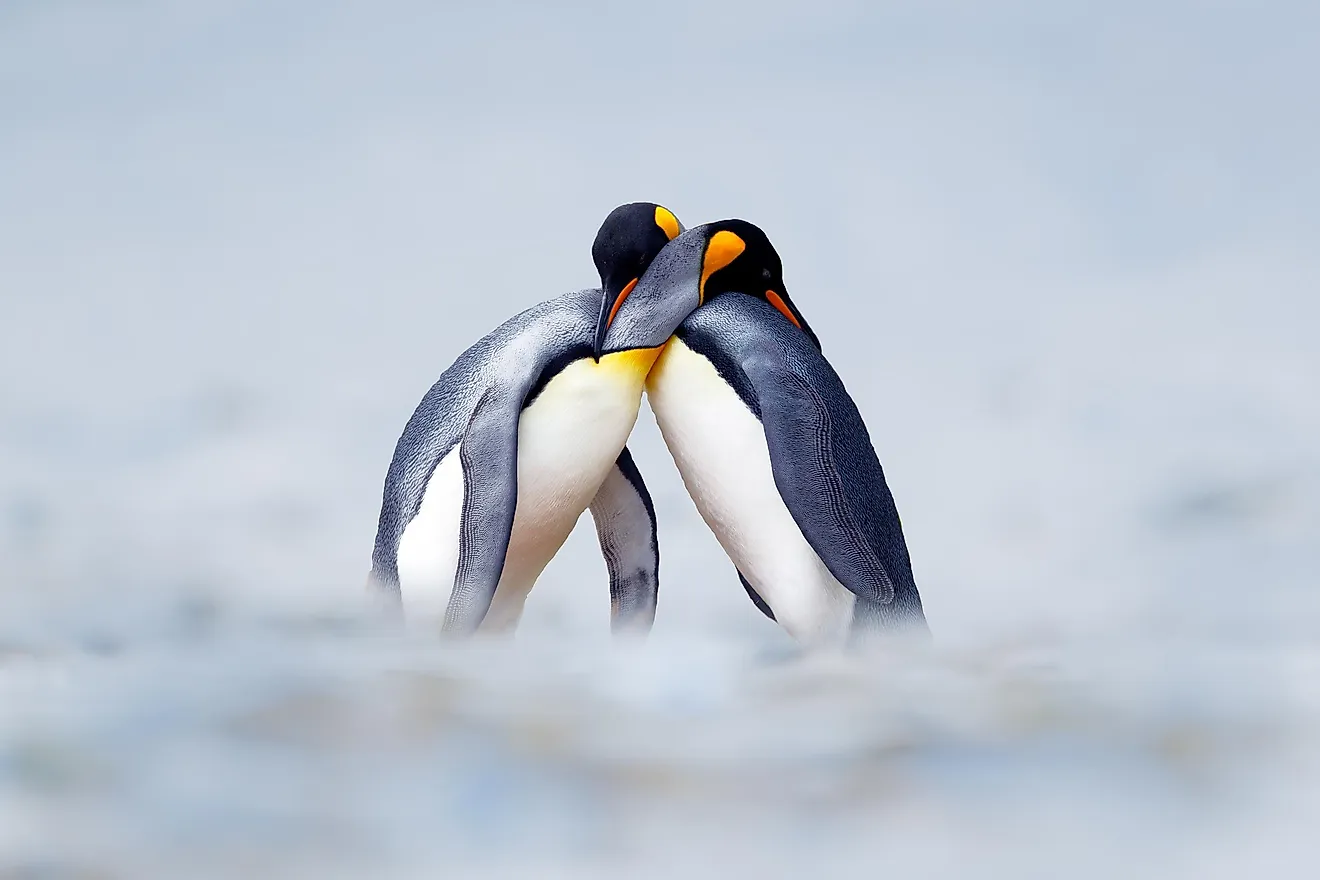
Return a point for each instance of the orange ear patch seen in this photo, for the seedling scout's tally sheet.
(665, 219)
(778, 302)
(623, 294)
(722, 249)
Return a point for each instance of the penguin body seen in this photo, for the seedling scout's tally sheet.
(769, 444)
(719, 446)
(779, 463)
(524, 432)
(524, 428)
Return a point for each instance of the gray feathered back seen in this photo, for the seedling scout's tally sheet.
(537, 342)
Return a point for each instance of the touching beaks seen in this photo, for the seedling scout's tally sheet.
(649, 310)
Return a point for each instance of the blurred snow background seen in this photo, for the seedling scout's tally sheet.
(1062, 253)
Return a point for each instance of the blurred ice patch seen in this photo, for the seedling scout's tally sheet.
(199, 738)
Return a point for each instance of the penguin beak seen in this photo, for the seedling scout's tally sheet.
(602, 323)
(780, 300)
(609, 306)
(647, 312)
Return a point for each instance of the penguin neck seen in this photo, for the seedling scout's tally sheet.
(638, 361)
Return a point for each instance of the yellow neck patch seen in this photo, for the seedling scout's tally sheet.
(634, 363)
(666, 221)
(722, 249)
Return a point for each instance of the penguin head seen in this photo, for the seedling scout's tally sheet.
(629, 239)
(704, 262)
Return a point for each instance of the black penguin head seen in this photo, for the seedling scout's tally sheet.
(629, 239)
(707, 261)
(748, 263)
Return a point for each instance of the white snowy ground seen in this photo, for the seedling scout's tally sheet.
(1064, 259)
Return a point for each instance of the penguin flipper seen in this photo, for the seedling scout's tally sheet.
(489, 457)
(626, 529)
(756, 597)
(829, 476)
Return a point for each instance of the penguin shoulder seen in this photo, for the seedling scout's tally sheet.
(512, 357)
(744, 326)
(550, 336)
(508, 360)
(745, 339)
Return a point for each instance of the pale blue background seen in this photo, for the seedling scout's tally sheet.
(1063, 254)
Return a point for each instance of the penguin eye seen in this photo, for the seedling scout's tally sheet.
(767, 274)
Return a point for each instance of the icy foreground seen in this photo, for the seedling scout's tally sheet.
(193, 739)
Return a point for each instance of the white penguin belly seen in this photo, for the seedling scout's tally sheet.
(568, 440)
(427, 556)
(720, 449)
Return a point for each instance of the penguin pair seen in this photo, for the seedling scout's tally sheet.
(527, 429)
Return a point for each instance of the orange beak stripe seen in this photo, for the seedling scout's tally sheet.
(623, 294)
(777, 301)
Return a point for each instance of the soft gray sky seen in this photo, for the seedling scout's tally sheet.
(1062, 253)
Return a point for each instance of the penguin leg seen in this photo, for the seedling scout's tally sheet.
(489, 457)
(626, 529)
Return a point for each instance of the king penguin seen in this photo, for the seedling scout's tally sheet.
(521, 434)
(769, 444)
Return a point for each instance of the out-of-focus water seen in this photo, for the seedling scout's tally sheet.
(1062, 256)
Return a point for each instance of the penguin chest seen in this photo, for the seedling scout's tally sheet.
(568, 439)
(720, 449)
